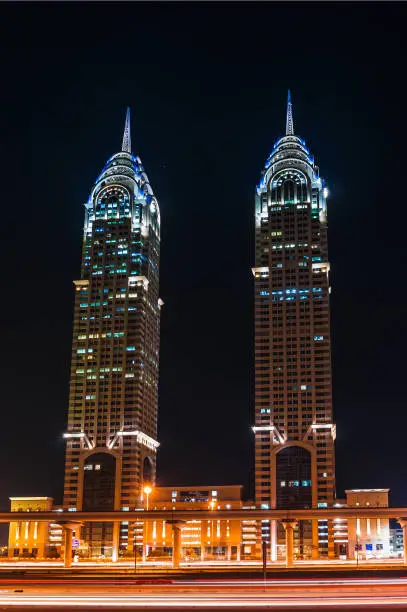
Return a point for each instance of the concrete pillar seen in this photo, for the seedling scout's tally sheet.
(176, 545)
(229, 553)
(289, 526)
(403, 524)
(67, 546)
(273, 540)
(315, 541)
(239, 548)
(331, 541)
(145, 552)
(202, 553)
(115, 543)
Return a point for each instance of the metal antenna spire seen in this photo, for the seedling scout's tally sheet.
(289, 126)
(126, 146)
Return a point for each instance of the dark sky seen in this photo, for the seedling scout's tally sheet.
(207, 85)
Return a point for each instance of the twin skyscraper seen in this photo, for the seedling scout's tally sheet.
(112, 422)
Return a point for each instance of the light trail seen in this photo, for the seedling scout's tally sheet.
(198, 602)
(197, 584)
(201, 582)
(310, 594)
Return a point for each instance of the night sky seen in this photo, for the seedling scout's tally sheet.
(207, 85)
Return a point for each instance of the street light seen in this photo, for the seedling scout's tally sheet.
(357, 548)
(212, 504)
(147, 490)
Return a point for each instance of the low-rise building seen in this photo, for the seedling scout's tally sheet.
(396, 543)
(200, 540)
(33, 539)
(368, 537)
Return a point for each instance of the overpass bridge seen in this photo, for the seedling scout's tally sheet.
(70, 521)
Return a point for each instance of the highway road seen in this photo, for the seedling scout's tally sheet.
(324, 593)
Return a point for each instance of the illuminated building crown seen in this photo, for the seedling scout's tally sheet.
(291, 155)
(126, 170)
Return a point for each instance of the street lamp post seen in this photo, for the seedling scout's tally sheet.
(147, 490)
(357, 548)
(212, 504)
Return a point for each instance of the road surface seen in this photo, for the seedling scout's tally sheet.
(324, 593)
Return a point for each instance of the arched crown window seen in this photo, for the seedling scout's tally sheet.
(113, 201)
(289, 187)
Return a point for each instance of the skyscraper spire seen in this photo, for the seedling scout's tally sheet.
(289, 126)
(126, 146)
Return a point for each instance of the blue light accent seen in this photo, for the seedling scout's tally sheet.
(318, 338)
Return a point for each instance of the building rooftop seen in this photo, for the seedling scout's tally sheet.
(367, 490)
(25, 498)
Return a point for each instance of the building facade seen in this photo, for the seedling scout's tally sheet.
(396, 542)
(294, 430)
(111, 438)
(368, 538)
(33, 539)
(201, 540)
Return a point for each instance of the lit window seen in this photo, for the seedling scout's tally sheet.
(282, 483)
(214, 493)
(97, 466)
